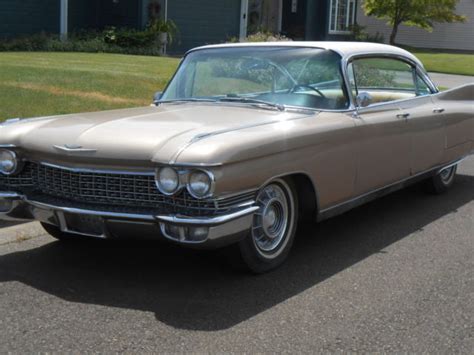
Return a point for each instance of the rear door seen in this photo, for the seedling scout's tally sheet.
(426, 124)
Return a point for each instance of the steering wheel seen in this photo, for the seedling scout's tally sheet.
(297, 86)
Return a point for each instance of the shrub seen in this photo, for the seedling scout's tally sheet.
(262, 36)
(360, 34)
(111, 40)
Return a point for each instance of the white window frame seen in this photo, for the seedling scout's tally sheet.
(350, 18)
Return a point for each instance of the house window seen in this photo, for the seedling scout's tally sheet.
(342, 16)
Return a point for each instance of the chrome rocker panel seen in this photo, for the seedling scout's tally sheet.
(222, 230)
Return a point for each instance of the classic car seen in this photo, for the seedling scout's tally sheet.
(245, 141)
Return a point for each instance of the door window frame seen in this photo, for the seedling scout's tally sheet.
(417, 70)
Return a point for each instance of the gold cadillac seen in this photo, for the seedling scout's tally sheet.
(245, 141)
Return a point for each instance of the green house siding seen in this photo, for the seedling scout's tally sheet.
(203, 22)
(26, 17)
(98, 14)
(83, 14)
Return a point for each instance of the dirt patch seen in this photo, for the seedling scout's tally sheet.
(93, 95)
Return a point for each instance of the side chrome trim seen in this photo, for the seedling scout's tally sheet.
(6, 146)
(184, 164)
(203, 136)
(212, 221)
(77, 149)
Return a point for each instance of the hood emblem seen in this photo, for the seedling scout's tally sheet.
(73, 148)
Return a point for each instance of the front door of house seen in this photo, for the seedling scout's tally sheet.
(294, 19)
(264, 16)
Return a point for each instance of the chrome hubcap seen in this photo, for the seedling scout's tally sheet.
(271, 223)
(447, 175)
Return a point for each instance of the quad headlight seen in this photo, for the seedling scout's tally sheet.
(200, 184)
(171, 181)
(167, 180)
(8, 162)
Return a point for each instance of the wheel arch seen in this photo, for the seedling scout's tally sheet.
(308, 203)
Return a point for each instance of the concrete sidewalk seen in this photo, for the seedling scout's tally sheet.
(20, 232)
(451, 81)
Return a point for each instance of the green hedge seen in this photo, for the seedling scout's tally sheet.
(111, 40)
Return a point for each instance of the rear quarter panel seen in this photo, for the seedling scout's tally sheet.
(458, 104)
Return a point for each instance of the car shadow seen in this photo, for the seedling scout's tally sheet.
(196, 290)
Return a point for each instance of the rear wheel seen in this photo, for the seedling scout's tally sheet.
(273, 229)
(442, 181)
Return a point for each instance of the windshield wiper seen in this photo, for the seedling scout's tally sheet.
(190, 99)
(256, 102)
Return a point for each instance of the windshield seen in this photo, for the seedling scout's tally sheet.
(279, 76)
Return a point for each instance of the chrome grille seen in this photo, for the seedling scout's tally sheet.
(137, 191)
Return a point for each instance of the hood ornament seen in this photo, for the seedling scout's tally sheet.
(73, 148)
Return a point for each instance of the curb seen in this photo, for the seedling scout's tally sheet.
(21, 233)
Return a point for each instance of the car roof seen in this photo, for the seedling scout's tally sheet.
(344, 49)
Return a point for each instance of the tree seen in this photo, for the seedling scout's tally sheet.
(420, 13)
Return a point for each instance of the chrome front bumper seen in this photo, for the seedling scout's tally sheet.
(202, 232)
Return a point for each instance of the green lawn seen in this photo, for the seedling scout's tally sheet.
(39, 84)
(450, 63)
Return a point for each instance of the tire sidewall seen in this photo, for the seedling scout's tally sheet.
(441, 186)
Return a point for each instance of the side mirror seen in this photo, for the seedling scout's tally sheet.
(364, 99)
(157, 96)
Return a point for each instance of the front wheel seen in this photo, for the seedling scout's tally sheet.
(273, 229)
(442, 181)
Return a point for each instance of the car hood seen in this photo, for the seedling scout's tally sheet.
(153, 134)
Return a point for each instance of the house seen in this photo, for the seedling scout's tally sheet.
(454, 36)
(199, 21)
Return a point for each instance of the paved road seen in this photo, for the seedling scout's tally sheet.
(394, 275)
(451, 81)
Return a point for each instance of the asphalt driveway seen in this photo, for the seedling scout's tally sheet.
(394, 275)
(451, 81)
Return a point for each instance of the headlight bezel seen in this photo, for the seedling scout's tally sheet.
(210, 176)
(16, 161)
(179, 185)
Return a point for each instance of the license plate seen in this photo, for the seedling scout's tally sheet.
(85, 224)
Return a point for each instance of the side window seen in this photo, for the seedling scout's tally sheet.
(384, 79)
(422, 88)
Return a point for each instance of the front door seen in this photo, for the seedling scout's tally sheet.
(383, 127)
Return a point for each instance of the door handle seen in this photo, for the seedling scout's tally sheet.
(403, 115)
(438, 110)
